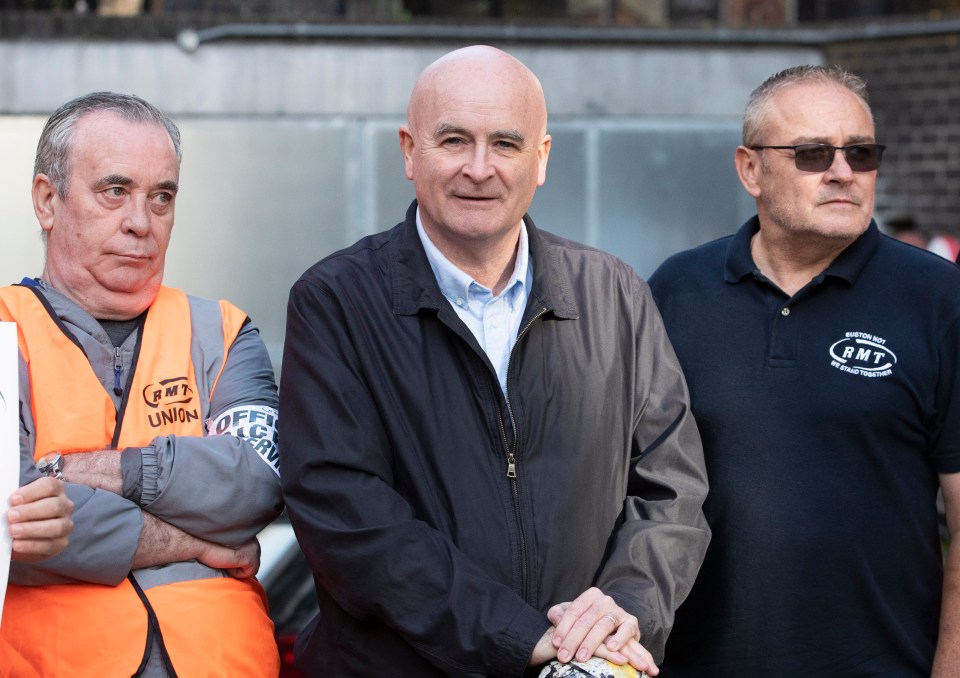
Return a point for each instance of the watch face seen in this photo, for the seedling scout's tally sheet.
(49, 463)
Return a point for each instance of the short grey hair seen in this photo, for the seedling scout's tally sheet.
(56, 140)
(754, 116)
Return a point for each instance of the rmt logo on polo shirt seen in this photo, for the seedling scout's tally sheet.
(863, 354)
(171, 399)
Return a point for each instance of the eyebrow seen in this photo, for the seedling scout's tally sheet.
(446, 128)
(113, 180)
(512, 135)
(851, 141)
(121, 180)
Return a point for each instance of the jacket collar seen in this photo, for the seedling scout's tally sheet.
(414, 286)
(847, 266)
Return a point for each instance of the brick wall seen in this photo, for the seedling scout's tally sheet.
(914, 86)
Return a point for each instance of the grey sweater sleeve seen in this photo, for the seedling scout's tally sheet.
(223, 486)
(106, 527)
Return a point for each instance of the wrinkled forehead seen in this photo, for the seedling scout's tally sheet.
(106, 143)
(495, 88)
(818, 110)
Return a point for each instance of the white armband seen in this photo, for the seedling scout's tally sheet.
(257, 424)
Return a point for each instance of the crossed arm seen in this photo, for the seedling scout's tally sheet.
(191, 510)
(160, 542)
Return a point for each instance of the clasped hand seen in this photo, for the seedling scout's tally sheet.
(593, 625)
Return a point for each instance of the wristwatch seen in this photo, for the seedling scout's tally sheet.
(49, 464)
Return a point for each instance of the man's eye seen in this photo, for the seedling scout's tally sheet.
(858, 152)
(115, 192)
(452, 141)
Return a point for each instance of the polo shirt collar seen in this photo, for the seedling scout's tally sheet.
(847, 266)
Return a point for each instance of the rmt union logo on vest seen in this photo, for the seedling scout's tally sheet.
(863, 354)
(171, 398)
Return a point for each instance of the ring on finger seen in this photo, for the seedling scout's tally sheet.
(613, 618)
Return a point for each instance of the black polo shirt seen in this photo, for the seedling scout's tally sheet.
(825, 418)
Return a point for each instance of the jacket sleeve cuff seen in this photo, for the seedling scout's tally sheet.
(528, 628)
(140, 472)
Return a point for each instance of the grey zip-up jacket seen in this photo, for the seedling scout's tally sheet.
(442, 519)
(216, 487)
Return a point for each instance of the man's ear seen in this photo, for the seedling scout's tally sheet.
(748, 162)
(406, 147)
(543, 154)
(44, 201)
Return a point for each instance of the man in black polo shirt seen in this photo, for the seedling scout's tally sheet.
(822, 360)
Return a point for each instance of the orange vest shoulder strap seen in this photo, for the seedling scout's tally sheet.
(233, 321)
(63, 387)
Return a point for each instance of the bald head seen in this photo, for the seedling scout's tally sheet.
(475, 146)
(479, 71)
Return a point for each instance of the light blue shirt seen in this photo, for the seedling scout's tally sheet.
(493, 320)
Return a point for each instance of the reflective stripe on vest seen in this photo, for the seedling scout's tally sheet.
(211, 627)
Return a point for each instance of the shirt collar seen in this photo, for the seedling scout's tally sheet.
(455, 284)
(847, 266)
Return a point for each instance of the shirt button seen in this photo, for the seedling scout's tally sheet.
(785, 311)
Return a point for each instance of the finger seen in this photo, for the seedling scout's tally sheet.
(634, 654)
(555, 613)
(36, 490)
(572, 612)
(612, 656)
(588, 629)
(602, 629)
(629, 629)
(31, 550)
(239, 573)
(45, 508)
(55, 528)
(249, 554)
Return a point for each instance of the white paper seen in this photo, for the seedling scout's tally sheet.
(9, 442)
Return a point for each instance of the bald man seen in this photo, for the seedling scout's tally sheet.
(491, 461)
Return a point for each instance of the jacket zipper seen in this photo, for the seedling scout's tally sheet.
(512, 457)
(117, 371)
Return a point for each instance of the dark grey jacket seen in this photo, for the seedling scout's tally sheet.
(429, 557)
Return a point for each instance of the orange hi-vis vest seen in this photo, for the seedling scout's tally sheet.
(210, 627)
(12, 664)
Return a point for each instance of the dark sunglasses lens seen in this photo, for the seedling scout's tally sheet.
(813, 158)
(863, 158)
(817, 158)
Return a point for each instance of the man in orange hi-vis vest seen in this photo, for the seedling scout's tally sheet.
(157, 409)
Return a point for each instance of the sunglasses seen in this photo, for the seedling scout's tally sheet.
(819, 157)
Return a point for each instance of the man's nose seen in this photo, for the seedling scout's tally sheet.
(137, 217)
(839, 169)
(478, 166)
